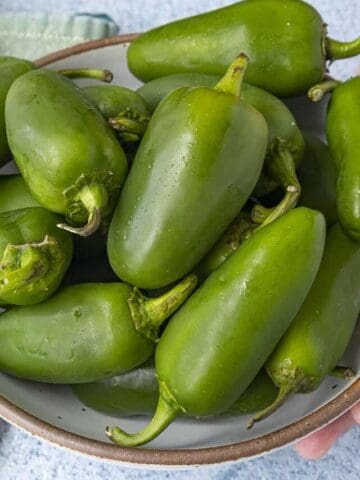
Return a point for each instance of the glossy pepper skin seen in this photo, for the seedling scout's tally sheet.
(285, 41)
(285, 141)
(10, 69)
(85, 332)
(317, 176)
(186, 185)
(321, 331)
(136, 393)
(71, 161)
(342, 130)
(34, 255)
(212, 337)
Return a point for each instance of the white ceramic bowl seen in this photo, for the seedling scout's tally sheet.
(53, 412)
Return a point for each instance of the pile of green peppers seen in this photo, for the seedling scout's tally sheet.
(233, 236)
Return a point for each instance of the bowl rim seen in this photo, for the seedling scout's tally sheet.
(157, 457)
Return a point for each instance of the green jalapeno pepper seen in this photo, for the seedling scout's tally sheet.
(321, 331)
(154, 91)
(125, 109)
(317, 176)
(10, 69)
(136, 393)
(285, 142)
(186, 185)
(15, 194)
(208, 353)
(34, 255)
(342, 129)
(85, 332)
(285, 40)
(70, 160)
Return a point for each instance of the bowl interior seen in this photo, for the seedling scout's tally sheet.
(59, 407)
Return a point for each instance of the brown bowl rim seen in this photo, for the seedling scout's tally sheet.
(180, 458)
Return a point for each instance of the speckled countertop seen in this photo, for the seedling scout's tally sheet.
(23, 457)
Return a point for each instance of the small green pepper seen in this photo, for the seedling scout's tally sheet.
(70, 159)
(136, 393)
(321, 331)
(34, 255)
(154, 91)
(188, 183)
(317, 175)
(85, 332)
(15, 194)
(125, 109)
(285, 141)
(286, 42)
(10, 69)
(208, 353)
(342, 129)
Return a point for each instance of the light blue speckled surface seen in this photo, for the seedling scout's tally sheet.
(25, 458)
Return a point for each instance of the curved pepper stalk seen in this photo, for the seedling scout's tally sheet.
(103, 75)
(28, 270)
(318, 92)
(150, 313)
(336, 50)
(87, 200)
(166, 411)
(281, 167)
(295, 381)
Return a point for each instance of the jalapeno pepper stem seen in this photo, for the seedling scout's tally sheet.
(94, 199)
(336, 50)
(285, 391)
(103, 75)
(280, 166)
(317, 92)
(150, 313)
(167, 409)
(232, 80)
(238, 231)
(24, 264)
(343, 372)
(130, 124)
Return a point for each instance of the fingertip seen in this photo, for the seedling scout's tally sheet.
(316, 445)
(312, 448)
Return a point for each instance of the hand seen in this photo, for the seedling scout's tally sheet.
(319, 443)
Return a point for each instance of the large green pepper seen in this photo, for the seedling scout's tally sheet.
(285, 40)
(85, 332)
(317, 176)
(136, 393)
(322, 329)
(70, 158)
(125, 109)
(208, 353)
(187, 183)
(34, 255)
(285, 141)
(342, 129)
(10, 69)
